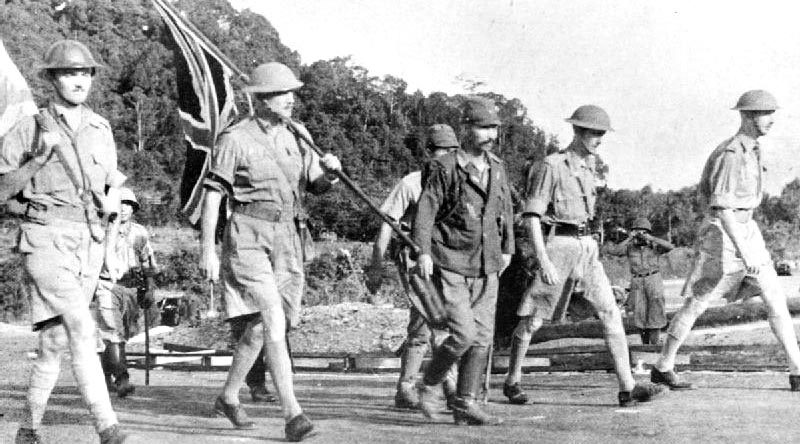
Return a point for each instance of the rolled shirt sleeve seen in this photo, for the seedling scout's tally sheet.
(220, 175)
(720, 180)
(400, 198)
(539, 189)
(16, 144)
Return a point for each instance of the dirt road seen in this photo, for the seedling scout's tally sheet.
(350, 408)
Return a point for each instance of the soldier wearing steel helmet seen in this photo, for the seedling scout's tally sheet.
(401, 205)
(63, 164)
(558, 205)
(117, 307)
(731, 255)
(264, 169)
(646, 298)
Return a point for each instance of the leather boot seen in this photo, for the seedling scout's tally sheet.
(121, 376)
(107, 362)
(514, 392)
(410, 362)
(470, 371)
(655, 336)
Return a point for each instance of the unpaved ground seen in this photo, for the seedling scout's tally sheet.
(355, 408)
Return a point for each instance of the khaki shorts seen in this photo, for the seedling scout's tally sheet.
(718, 269)
(61, 265)
(116, 312)
(576, 260)
(262, 261)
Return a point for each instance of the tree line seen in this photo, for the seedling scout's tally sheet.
(374, 124)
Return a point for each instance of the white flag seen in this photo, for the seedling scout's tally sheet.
(16, 100)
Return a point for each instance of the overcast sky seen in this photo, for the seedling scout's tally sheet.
(667, 72)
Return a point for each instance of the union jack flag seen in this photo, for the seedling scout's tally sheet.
(205, 102)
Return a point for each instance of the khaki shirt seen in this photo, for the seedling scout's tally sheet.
(264, 163)
(732, 177)
(133, 246)
(561, 188)
(51, 186)
(401, 204)
(643, 258)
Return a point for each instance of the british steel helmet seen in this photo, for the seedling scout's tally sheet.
(272, 77)
(126, 196)
(642, 223)
(441, 136)
(68, 54)
(591, 117)
(756, 100)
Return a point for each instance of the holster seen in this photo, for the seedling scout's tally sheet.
(306, 240)
(426, 299)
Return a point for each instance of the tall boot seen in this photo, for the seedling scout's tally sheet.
(406, 396)
(654, 337)
(121, 376)
(108, 362)
(466, 410)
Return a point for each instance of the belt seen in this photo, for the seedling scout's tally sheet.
(572, 230)
(36, 212)
(267, 211)
(645, 274)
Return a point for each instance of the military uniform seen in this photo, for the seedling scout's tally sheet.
(117, 312)
(732, 179)
(61, 260)
(264, 169)
(646, 298)
(464, 222)
(561, 190)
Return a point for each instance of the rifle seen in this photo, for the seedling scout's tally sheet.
(424, 297)
(144, 298)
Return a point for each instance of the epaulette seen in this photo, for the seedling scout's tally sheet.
(237, 124)
(98, 121)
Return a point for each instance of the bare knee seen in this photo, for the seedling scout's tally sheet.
(610, 316)
(527, 326)
(253, 335)
(52, 341)
(274, 324)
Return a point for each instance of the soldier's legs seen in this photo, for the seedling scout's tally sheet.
(780, 321)
(706, 282)
(416, 345)
(599, 294)
(251, 341)
(520, 342)
(472, 366)
(86, 368)
(413, 353)
(455, 293)
(278, 361)
(44, 373)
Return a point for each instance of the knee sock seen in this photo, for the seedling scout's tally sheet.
(91, 383)
(679, 329)
(43, 378)
(617, 344)
(280, 368)
(780, 321)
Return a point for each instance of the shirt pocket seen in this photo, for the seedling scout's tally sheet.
(51, 177)
(97, 171)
